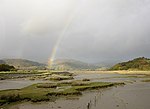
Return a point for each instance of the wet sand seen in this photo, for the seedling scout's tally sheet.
(113, 72)
(131, 96)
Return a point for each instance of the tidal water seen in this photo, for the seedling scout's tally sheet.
(134, 95)
(131, 96)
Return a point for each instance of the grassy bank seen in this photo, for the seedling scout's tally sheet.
(113, 72)
(36, 75)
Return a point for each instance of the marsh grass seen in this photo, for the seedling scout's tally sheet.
(86, 79)
(55, 77)
(36, 75)
(146, 80)
(47, 85)
(50, 92)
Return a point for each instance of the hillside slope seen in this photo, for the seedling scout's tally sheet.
(140, 63)
(70, 64)
(22, 63)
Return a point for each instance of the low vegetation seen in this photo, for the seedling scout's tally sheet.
(36, 75)
(136, 64)
(146, 80)
(50, 91)
(86, 79)
(59, 78)
(5, 67)
(46, 85)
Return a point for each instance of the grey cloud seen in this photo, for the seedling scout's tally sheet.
(100, 30)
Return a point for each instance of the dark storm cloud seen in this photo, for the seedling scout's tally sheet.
(100, 30)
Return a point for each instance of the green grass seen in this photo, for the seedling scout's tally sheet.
(59, 78)
(146, 80)
(22, 72)
(19, 74)
(47, 85)
(95, 85)
(49, 91)
(129, 76)
(36, 75)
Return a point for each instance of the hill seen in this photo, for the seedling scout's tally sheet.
(22, 63)
(70, 64)
(140, 63)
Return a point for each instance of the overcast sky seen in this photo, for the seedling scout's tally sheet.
(90, 30)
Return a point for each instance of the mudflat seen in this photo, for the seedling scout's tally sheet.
(134, 94)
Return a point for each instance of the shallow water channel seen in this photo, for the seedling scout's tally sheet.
(21, 83)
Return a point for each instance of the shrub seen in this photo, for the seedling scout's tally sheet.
(5, 67)
(86, 79)
(10, 97)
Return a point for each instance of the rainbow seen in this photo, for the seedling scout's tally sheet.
(61, 36)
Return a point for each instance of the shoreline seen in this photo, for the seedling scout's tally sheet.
(112, 72)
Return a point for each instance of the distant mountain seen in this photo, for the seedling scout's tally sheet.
(140, 63)
(105, 65)
(22, 63)
(58, 64)
(70, 64)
